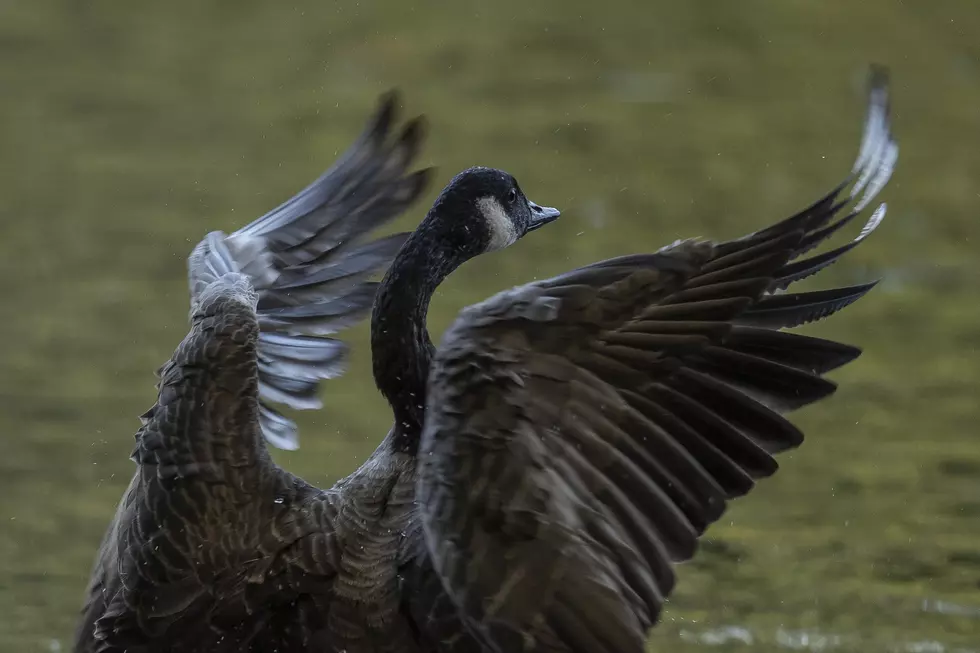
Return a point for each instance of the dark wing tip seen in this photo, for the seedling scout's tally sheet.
(420, 180)
(789, 310)
(390, 99)
(879, 76)
(386, 114)
(415, 131)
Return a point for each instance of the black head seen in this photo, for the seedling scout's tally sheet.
(489, 207)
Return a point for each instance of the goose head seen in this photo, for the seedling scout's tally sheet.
(480, 210)
(486, 210)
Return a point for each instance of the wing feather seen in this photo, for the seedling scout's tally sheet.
(582, 432)
(308, 261)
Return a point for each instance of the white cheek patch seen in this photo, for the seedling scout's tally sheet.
(502, 230)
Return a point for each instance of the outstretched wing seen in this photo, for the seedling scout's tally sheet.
(582, 432)
(212, 546)
(311, 267)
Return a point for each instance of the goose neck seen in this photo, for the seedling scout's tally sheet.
(401, 348)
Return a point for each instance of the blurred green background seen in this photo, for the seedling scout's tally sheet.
(129, 130)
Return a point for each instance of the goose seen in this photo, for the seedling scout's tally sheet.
(549, 463)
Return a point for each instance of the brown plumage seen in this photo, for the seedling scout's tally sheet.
(582, 432)
(565, 446)
(213, 547)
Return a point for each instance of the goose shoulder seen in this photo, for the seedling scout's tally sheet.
(582, 432)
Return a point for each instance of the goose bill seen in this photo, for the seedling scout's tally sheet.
(541, 215)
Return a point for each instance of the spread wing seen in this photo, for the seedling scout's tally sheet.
(212, 545)
(311, 267)
(582, 432)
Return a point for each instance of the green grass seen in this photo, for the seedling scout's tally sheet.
(128, 131)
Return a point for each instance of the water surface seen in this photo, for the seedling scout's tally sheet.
(127, 131)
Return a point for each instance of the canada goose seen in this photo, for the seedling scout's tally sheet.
(549, 463)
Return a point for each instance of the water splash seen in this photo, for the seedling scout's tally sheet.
(718, 636)
(947, 607)
(812, 641)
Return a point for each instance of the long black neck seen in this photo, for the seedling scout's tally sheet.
(400, 345)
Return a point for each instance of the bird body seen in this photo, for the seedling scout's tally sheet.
(566, 444)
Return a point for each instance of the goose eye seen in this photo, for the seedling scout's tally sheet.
(512, 196)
